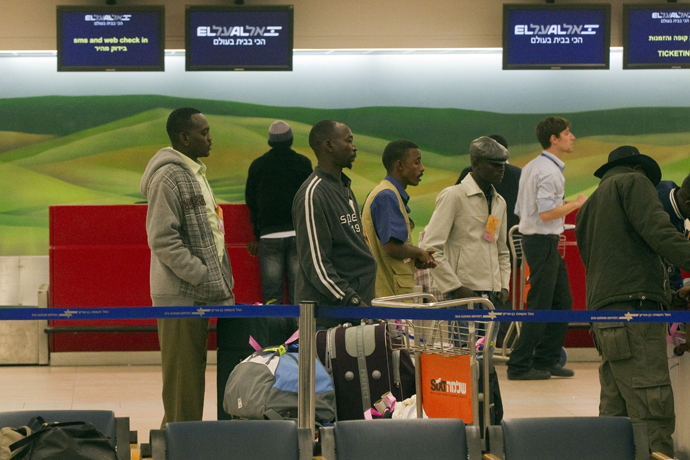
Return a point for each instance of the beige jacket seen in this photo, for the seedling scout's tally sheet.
(456, 233)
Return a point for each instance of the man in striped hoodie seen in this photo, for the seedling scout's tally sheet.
(336, 265)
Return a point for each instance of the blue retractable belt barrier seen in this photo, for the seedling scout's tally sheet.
(232, 311)
(246, 311)
(550, 316)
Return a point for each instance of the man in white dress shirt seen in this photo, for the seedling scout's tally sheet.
(542, 210)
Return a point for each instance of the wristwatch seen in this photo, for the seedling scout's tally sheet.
(355, 300)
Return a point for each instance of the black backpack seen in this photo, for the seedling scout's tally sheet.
(64, 441)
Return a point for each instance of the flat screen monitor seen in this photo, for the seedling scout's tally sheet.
(239, 37)
(551, 36)
(656, 36)
(102, 38)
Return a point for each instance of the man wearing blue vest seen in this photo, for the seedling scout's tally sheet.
(387, 223)
(542, 210)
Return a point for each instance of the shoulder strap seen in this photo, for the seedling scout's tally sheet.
(292, 357)
(33, 436)
(36, 423)
(362, 368)
(395, 358)
(271, 414)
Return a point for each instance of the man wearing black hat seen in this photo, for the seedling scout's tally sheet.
(623, 234)
(467, 229)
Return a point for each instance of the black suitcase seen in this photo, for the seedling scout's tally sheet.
(364, 367)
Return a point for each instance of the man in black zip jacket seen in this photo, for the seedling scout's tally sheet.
(336, 266)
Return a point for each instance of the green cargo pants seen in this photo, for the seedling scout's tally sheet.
(635, 380)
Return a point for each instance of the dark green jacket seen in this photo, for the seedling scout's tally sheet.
(623, 233)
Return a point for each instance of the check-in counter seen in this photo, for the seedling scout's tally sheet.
(23, 283)
(99, 258)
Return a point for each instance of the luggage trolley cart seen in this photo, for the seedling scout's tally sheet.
(519, 276)
(446, 340)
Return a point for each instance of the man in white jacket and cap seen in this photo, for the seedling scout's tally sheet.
(468, 229)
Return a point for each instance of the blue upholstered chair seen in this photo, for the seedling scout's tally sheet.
(568, 438)
(414, 439)
(232, 439)
(115, 428)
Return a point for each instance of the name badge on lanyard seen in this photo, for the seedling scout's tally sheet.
(491, 227)
(221, 222)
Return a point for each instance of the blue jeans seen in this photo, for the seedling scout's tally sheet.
(278, 262)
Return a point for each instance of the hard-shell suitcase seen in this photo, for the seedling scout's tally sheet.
(364, 367)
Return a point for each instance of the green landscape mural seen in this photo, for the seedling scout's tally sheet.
(93, 149)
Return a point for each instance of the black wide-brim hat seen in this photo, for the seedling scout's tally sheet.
(628, 155)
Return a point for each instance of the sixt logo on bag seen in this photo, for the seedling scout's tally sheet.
(445, 386)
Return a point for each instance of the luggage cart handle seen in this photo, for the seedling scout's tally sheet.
(396, 302)
(413, 295)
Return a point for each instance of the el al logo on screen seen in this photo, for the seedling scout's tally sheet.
(237, 31)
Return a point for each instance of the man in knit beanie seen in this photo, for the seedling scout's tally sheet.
(279, 132)
(272, 183)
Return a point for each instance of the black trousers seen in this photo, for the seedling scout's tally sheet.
(539, 344)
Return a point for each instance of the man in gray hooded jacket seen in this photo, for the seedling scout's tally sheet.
(189, 259)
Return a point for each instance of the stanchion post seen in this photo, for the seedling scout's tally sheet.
(418, 382)
(306, 408)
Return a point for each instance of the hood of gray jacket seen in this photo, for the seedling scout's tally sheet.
(163, 157)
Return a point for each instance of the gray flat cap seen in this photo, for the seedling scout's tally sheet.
(488, 149)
